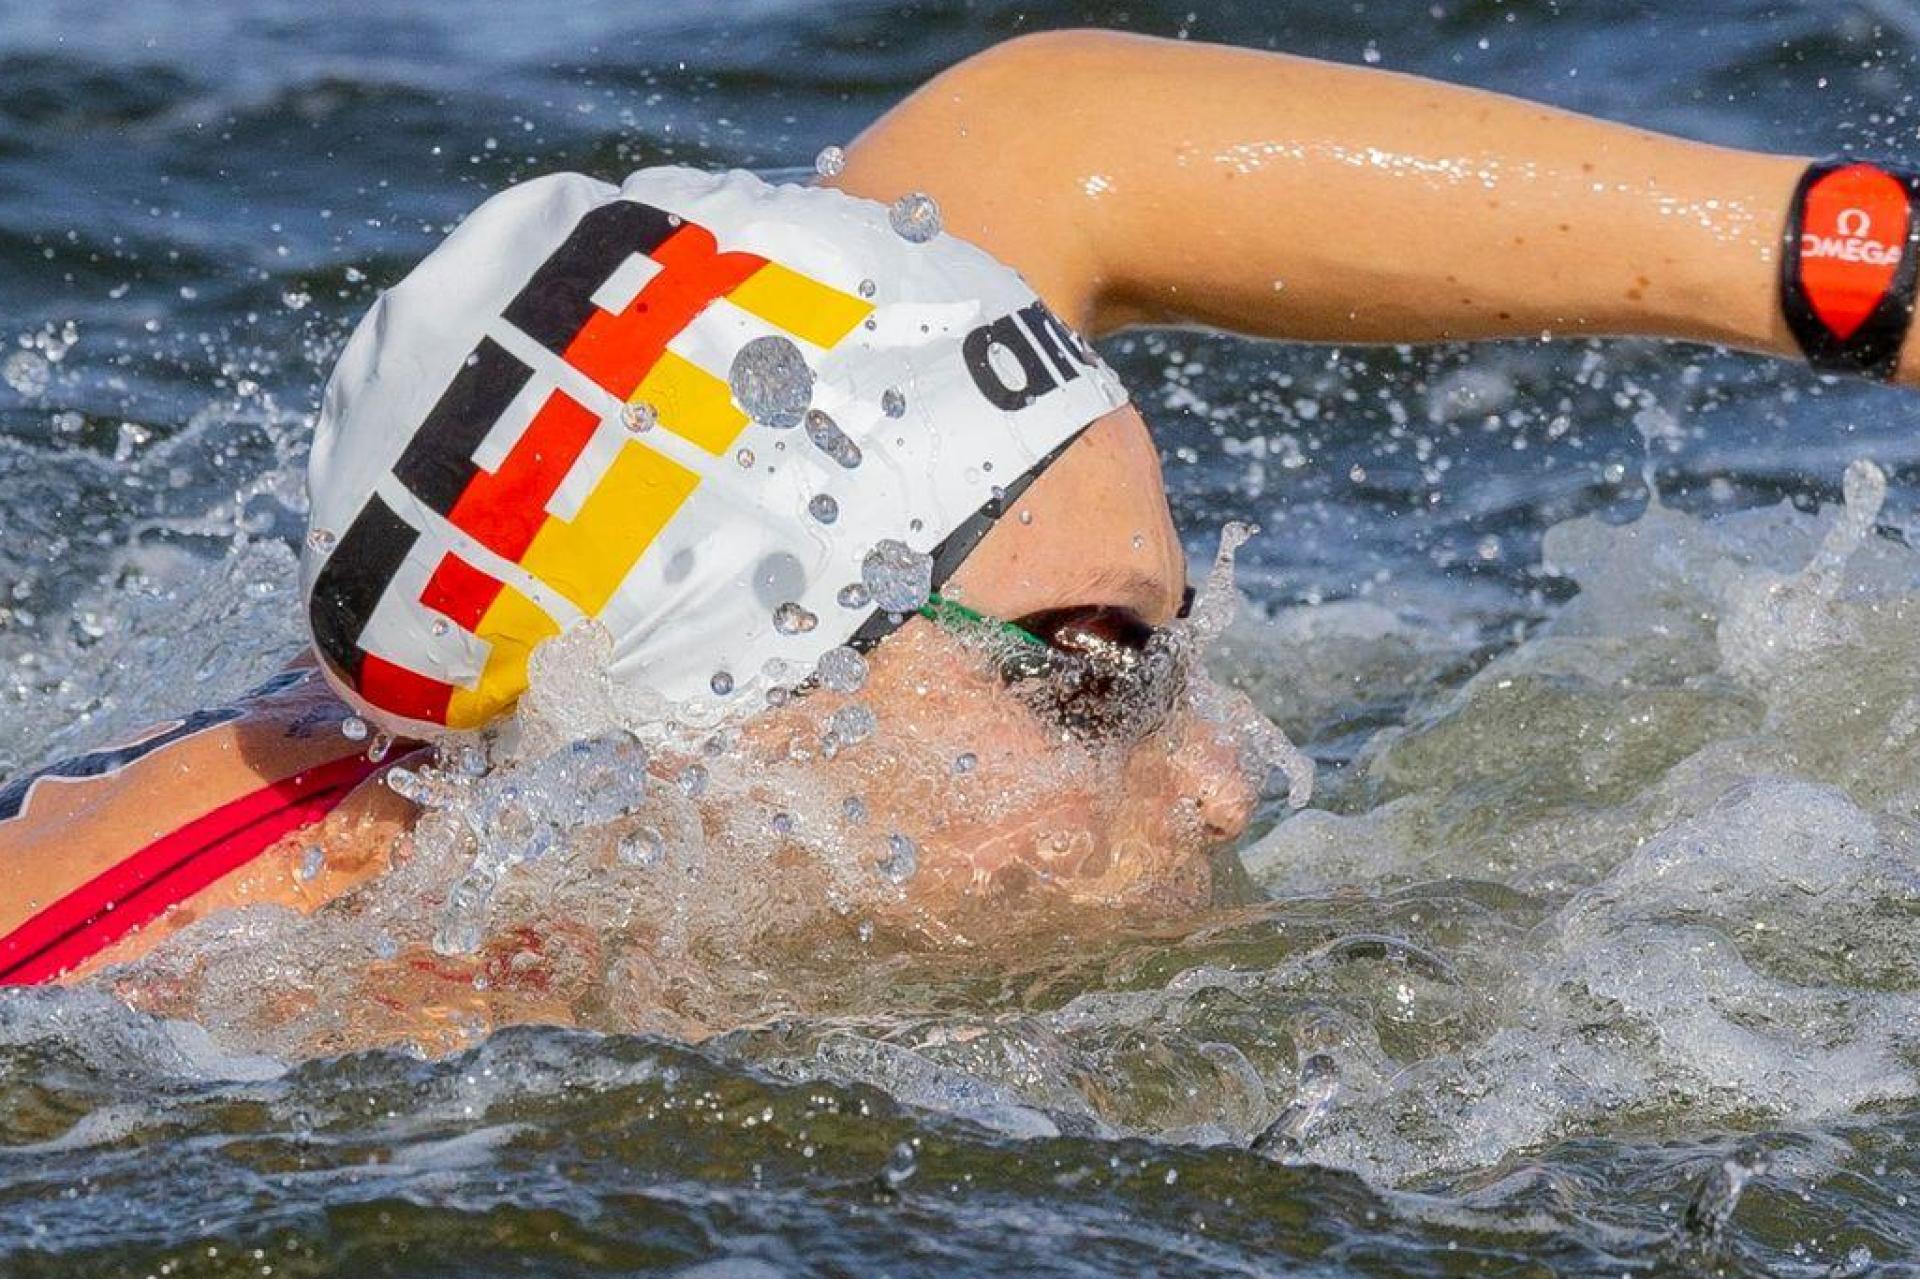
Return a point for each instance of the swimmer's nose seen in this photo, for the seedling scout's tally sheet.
(1207, 770)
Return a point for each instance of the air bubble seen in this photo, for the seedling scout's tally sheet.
(854, 595)
(830, 162)
(771, 381)
(744, 457)
(408, 785)
(965, 763)
(915, 217)
(643, 846)
(898, 577)
(853, 810)
(831, 440)
(354, 729)
(440, 627)
(868, 288)
(693, 780)
(377, 749)
(793, 619)
(28, 373)
(721, 683)
(312, 862)
(639, 417)
(901, 861)
(901, 1165)
(893, 402)
(842, 670)
(781, 824)
(851, 724)
(322, 541)
(823, 508)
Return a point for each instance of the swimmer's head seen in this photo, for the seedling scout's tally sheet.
(739, 425)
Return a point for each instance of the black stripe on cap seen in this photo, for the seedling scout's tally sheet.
(557, 302)
(349, 585)
(437, 464)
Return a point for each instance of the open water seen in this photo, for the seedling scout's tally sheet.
(1596, 954)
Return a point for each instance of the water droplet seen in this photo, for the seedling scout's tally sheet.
(771, 381)
(354, 729)
(854, 810)
(28, 373)
(744, 457)
(407, 784)
(643, 846)
(850, 725)
(864, 931)
(693, 780)
(915, 217)
(831, 440)
(867, 288)
(312, 862)
(721, 683)
(782, 824)
(322, 541)
(898, 577)
(440, 626)
(377, 749)
(842, 670)
(854, 595)
(965, 763)
(639, 417)
(778, 696)
(830, 162)
(902, 859)
(893, 402)
(823, 508)
(792, 619)
(1026, 516)
(901, 1165)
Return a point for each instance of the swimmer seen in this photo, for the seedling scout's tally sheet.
(743, 433)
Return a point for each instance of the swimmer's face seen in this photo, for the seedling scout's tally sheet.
(1004, 789)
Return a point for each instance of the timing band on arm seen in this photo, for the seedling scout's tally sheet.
(1848, 262)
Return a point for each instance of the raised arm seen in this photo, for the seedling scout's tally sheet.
(1138, 180)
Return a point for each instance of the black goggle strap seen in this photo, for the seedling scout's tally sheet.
(953, 551)
(1848, 264)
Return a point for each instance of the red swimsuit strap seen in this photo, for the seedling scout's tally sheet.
(158, 877)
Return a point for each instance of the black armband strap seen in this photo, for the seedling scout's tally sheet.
(1848, 263)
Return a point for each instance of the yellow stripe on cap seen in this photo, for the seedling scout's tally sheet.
(512, 625)
(692, 403)
(804, 307)
(586, 558)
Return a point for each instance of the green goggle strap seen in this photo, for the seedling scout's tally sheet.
(958, 617)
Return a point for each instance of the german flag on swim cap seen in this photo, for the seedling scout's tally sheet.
(686, 407)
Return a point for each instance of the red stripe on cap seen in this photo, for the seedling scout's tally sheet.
(617, 350)
(399, 691)
(460, 591)
(171, 869)
(506, 507)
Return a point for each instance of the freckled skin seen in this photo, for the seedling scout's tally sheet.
(1252, 191)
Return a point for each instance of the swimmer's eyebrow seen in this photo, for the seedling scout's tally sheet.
(1125, 587)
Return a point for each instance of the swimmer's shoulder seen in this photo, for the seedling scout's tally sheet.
(143, 833)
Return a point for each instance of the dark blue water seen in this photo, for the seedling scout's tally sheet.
(197, 200)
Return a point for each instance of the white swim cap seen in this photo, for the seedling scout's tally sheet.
(692, 407)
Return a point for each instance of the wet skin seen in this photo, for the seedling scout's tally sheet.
(1037, 807)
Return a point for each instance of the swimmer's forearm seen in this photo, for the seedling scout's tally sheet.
(1298, 199)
